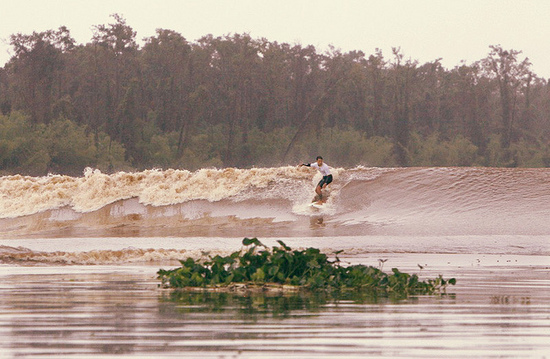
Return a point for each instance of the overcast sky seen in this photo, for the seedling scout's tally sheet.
(453, 30)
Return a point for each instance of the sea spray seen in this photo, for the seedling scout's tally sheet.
(25, 195)
(273, 202)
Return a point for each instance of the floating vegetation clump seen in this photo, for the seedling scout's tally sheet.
(259, 267)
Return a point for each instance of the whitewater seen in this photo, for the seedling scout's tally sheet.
(164, 214)
(362, 201)
(79, 256)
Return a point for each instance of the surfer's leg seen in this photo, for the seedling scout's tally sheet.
(319, 188)
(327, 180)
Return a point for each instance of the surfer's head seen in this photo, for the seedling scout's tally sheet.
(319, 160)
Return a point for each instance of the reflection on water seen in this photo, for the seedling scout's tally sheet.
(252, 306)
(79, 311)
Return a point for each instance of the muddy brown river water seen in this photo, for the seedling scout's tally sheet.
(79, 256)
(500, 308)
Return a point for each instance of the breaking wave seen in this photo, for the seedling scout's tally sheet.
(274, 202)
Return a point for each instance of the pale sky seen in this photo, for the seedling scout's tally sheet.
(453, 30)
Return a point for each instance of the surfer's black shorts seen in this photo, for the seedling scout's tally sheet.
(325, 180)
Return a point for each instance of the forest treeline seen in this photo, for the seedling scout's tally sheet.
(238, 101)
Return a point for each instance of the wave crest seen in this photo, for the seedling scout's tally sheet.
(274, 202)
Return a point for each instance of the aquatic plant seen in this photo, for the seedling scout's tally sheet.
(309, 269)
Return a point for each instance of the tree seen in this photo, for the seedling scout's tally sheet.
(235, 63)
(274, 78)
(5, 103)
(403, 74)
(510, 74)
(471, 93)
(376, 70)
(119, 75)
(347, 105)
(37, 72)
(237, 101)
(166, 70)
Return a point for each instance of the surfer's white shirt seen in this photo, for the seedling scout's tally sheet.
(324, 169)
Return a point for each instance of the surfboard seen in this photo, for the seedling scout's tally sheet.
(319, 201)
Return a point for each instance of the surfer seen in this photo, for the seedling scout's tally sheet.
(325, 171)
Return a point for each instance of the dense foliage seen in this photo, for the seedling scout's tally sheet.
(238, 101)
(307, 268)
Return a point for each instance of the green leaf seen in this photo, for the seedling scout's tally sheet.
(287, 248)
(309, 268)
